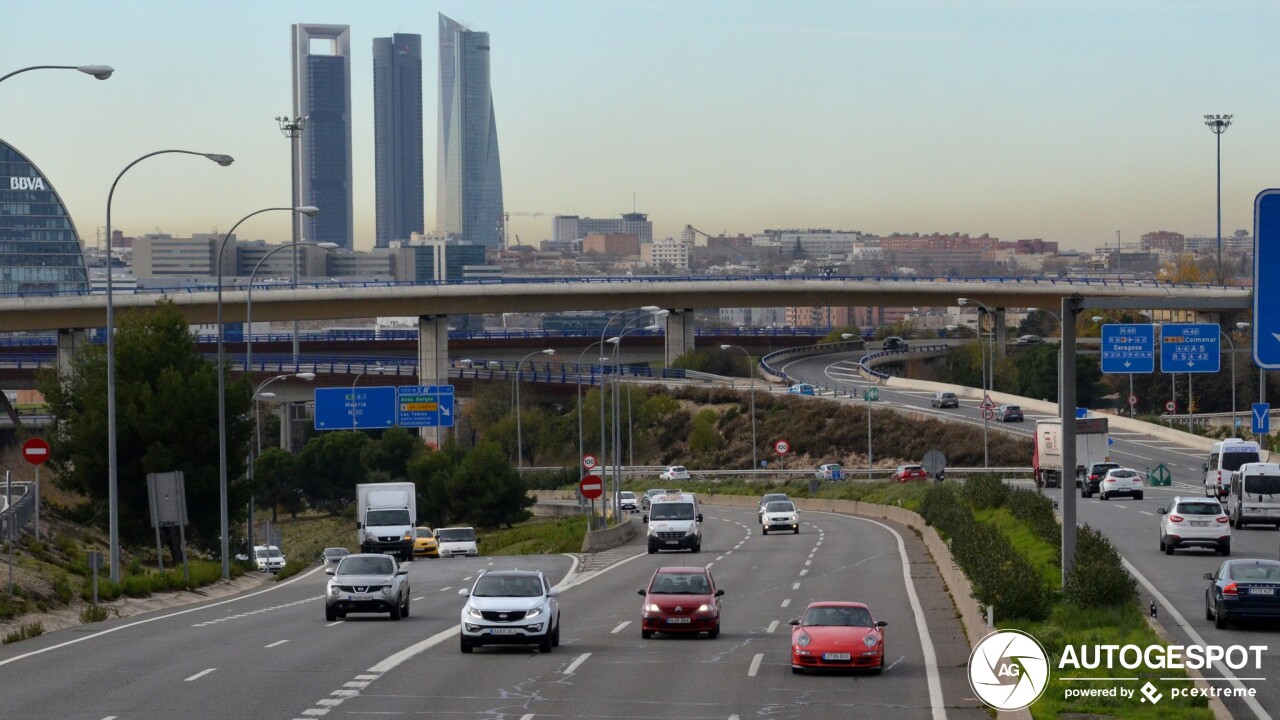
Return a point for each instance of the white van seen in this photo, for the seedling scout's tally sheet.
(455, 541)
(1225, 458)
(1254, 497)
(675, 522)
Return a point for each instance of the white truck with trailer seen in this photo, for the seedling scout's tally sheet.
(1093, 441)
(386, 515)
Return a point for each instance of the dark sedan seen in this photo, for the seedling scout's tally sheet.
(1242, 589)
(1009, 413)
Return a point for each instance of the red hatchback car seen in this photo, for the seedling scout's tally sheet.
(837, 635)
(909, 472)
(681, 600)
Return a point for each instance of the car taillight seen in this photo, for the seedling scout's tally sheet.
(1229, 589)
(1175, 518)
(1222, 519)
(1219, 477)
(1093, 477)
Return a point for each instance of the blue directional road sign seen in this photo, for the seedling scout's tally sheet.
(1261, 418)
(1190, 348)
(425, 405)
(1128, 348)
(1266, 273)
(365, 408)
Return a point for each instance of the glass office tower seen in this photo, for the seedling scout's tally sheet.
(40, 252)
(397, 137)
(322, 92)
(468, 172)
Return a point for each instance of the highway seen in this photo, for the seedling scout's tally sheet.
(1131, 525)
(270, 653)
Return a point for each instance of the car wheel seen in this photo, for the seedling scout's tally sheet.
(555, 634)
(698, 548)
(1161, 544)
(1168, 547)
(797, 530)
(1137, 496)
(405, 611)
(544, 645)
(645, 634)
(764, 530)
(1219, 618)
(1105, 495)
(1208, 608)
(652, 549)
(714, 633)
(465, 645)
(330, 615)
(1224, 549)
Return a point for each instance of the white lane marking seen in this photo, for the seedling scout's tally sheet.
(339, 622)
(200, 674)
(574, 665)
(772, 626)
(344, 693)
(1144, 512)
(529, 716)
(939, 711)
(786, 602)
(368, 677)
(808, 563)
(422, 597)
(449, 587)
(238, 598)
(727, 553)
(719, 557)
(755, 665)
(733, 717)
(316, 712)
(330, 702)
(109, 717)
(358, 685)
(1195, 637)
(710, 564)
(276, 644)
(803, 573)
(621, 625)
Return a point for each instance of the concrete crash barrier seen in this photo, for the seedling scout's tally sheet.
(620, 534)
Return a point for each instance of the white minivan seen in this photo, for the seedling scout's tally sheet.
(1254, 497)
(457, 541)
(675, 522)
(1225, 459)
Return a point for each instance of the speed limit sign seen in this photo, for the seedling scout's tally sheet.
(1171, 406)
(988, 413)
(782, 447)
(1133, 399)
(588, 461)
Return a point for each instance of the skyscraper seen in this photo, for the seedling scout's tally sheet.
(39, 249)
(468, 172)
(397, 136)
(322, 92)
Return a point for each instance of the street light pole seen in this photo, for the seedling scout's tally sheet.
(755, 462)
(582, 448)
(1218, 124)
(101, 72)
(603, 332)
(617, 401)
(292, 127)
(222, 395)
(519, 435)
(308, 376)
(113, 510)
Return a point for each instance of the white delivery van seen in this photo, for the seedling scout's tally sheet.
(1225, 459)
(675, 523)
(1254, 496)
(455, 541)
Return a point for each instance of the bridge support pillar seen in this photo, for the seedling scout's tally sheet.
(433, 359)
(1001, 331)
(69, 341)
(679, 334)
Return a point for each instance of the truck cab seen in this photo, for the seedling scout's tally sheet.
(386, 515)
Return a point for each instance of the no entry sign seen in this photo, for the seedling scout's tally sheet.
(35, 451)
(591, 487)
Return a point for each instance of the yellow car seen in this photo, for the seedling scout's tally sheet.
(424, 543)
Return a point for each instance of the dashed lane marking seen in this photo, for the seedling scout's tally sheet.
(772, 626)
(200, 674)
(755, 665)
(620, 626)
(574, 665)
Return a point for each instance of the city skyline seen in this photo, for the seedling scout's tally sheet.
(1020, 120)
(398, 148)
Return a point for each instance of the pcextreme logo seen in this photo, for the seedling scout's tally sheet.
(1008, 670)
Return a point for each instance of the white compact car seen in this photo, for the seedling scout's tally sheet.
(675, 472)
(268, 558)
(628, 501)
(511, 607)
(1120, 481)
(1194, 522)
(457, 541)
(780, 515)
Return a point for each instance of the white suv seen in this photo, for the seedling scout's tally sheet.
(675, 472)
(1194, 522)
(780, 515)
(1120, 481)
(511, 607)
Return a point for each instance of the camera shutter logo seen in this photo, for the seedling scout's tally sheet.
(1008, 670)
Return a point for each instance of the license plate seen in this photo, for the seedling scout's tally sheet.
(503, 631)
(673, 542)
(678, 621)
(1262, 591)
(835, 656)
(1199, 524)
(359, 598)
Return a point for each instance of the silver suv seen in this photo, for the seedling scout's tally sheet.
(511, 607)
(367, 583)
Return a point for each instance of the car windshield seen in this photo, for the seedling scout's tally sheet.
(425, 533)
(838, 616)
(1199, 508)
(680, 584)
(627, 495)
(1233, 458)
(1262, 485)
(653, 492)
(507, 586)
(261, 552)
(780, 506)
(456, 535)
(1266, 573)
(378, 518)
(671, 511)
(335, 552)
(367, 566)
(772, 497)
(274, 552)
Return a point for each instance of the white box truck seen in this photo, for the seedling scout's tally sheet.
(386, 514)
(1092, 445)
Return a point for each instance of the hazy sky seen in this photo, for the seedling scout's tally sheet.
(1061, 120)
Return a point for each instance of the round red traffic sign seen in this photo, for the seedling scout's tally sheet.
(1133, 399)
(588, 461)
(1170, 406)
(35, 451)
(782, 447)
(591, 487)
(988, 413)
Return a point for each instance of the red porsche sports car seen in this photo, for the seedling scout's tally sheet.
(837, 635)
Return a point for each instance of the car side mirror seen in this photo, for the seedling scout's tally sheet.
(1205, 466)
(1162, 511)
(699, 517)
(464, 591)
(645, 518)
(359, 525)
(719, 593)
(793, 621)
(328, 571)
(881, 623)
(641, 593)
(477, 541)
(553, 592)
(402, 571)
(1208, 576)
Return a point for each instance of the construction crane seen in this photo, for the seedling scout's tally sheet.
(506, 223)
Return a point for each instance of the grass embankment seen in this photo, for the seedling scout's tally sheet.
(907, 495)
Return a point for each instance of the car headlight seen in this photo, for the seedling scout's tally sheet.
(703, 608)
(870, 639)
(693, 529)
(334, 590)
(386, 590)
(408, 537)
(473, 612)
(369, 536)
(534, 612)
(803, 640)
(652, 607)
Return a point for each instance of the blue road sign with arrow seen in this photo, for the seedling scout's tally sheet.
(1266, 273)
(1128, 348)
(425, 405)
(1261, 418)
(364, 408)
(1190, 348)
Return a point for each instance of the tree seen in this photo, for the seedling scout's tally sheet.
(494, 492)
(704, 438)
(166, 420)
(392, 452)
(432, 475)
(330, 467)
(276, 474)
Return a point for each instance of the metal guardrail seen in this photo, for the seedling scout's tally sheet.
(865, 363)
(21, 510)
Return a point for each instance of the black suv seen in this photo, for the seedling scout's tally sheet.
(893, 342)
(1093, 477)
